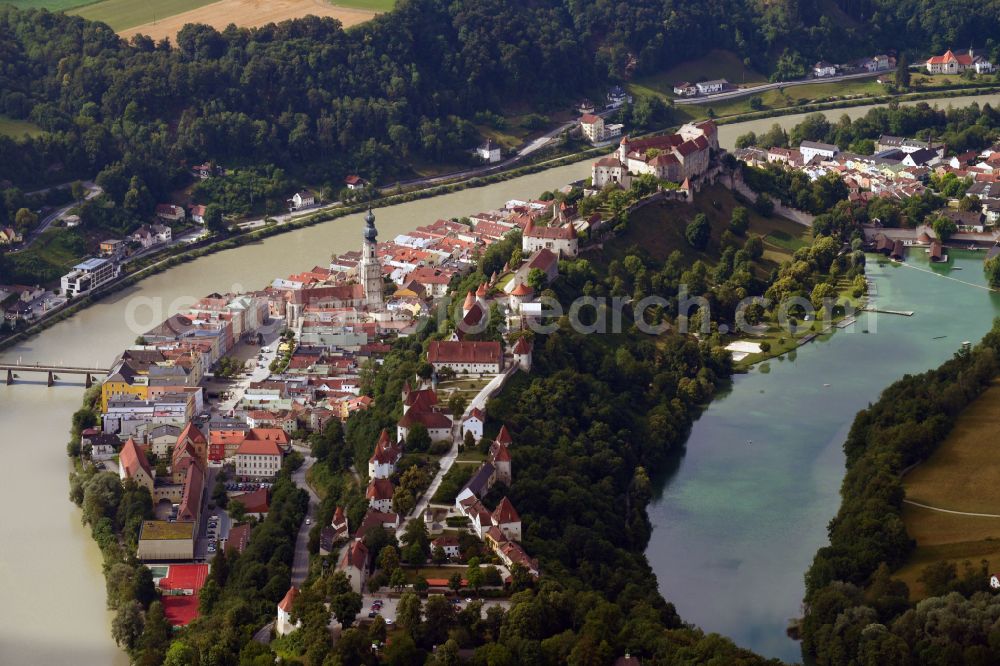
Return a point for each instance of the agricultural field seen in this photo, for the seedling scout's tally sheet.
(166, 18)
(17, 128)
(51, 5)
(960, 476)
(122, 14)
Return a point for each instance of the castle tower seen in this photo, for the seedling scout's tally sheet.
(369, 271)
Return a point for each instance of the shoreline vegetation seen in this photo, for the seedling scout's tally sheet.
(580, 404)
(167, 260)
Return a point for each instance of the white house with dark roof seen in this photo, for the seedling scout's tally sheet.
(810, 149)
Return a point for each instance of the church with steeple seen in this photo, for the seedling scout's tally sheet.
(369, 270)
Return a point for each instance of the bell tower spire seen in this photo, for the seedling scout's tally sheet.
(369, 271)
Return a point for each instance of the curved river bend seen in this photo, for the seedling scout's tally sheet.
(753, 514)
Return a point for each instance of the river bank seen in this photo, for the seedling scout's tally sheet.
(742, 511)
(450, 183)
(51, 568)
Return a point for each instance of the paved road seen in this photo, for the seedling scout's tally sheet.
(202, 541)
(300, 564)
(448, 459)
(753, 90)
(46, 222)
(390, 605)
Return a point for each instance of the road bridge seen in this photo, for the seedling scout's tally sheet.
(52, 371)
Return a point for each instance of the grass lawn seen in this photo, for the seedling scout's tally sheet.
(121, 14)
(960, 476)
(17, 128)
(471, 455)
(431, 572)
(716, 64)
(781, 98)
(452, 483)
(659, 230)
(51, 255)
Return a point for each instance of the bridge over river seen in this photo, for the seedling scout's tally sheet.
(52, 371)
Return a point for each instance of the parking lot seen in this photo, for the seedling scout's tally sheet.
(389, 606)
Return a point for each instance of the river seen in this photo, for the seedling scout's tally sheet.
(728, 133)
(54, 611)
(50, 569)
(746, 506)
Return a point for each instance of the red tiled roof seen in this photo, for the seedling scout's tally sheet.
(501, 453)
(503, 437)
(522, 346)
(522, 289)
(431, 420)
(565, 233)
(132, 458)
(544, 260)
(505, 513)
(355, 555)
(238, 538)
(259, 448)
(447, 351)
(589, 119)
(255, 501)
(380, 489)
(286, 603)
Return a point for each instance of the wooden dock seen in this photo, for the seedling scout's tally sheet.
(902, 313)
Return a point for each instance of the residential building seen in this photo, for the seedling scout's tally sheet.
(111, 248)
(258, 459)
(710, 87)
(489, 152)
(355, 182)
(198, 213)
(132, 464)
(302, 199)
(88, 276)
(354, 564)
(617, 97)
(595, 130)
(823, 69)
(810, 149)
(149, 235)
(685, 89)
(448, 544)
(170, 212)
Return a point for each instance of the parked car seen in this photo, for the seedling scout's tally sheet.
(372, 614)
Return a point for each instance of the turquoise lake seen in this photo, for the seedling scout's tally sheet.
(745, 507)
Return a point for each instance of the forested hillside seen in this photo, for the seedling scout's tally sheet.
(310, 97)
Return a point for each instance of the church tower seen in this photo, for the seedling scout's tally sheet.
(369, 271)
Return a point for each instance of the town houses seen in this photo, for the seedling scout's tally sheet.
(899, 168)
